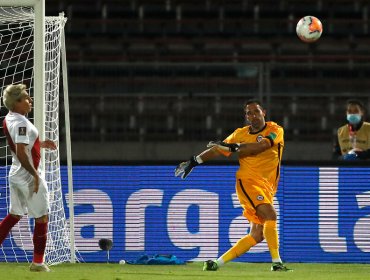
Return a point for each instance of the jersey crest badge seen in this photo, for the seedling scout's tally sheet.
(259, 138)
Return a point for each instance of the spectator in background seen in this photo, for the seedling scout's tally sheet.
(353, 138)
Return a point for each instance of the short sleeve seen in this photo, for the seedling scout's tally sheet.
(276, 135)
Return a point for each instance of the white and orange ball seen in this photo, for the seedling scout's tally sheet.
(309, 29)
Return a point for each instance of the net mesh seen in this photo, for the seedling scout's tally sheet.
(17, 66)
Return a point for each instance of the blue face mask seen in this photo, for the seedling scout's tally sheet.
(354, 118)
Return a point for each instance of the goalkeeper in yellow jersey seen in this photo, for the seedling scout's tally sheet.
(259, 146)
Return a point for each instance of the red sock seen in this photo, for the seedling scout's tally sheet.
(39, 241)
(6, 225)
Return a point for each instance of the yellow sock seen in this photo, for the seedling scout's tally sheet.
(242, 246)
(271, 236)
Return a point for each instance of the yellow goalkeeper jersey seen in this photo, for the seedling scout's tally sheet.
(263, 168)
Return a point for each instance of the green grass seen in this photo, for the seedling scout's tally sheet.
(191, 271)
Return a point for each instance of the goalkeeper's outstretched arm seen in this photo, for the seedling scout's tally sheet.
(210, 154)
(184, 168)
(244, 149)
(249, 149)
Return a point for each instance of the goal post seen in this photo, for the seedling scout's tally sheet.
(68, 145)
(32, 51)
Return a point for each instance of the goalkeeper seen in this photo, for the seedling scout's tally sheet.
(28, 190)
(259, 146)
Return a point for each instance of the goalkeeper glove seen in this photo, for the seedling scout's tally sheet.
(186, 167)
(229, 147)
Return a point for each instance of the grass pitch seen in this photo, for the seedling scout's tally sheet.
(191, 271)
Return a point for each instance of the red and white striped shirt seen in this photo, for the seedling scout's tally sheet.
(18, 129)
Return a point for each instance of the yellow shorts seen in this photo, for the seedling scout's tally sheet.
(251, 195)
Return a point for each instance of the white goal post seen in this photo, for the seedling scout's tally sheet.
(32, 51)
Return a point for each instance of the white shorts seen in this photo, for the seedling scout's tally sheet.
(24, 201)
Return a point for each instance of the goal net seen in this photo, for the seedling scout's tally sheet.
(17, 32)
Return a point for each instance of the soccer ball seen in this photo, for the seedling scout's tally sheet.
(309, 29)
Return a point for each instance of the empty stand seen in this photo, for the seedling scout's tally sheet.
(175, 70)
(199, 117)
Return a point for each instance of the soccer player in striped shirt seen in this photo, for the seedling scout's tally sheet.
(28, 190)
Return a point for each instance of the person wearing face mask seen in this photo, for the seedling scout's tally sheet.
(353, 138)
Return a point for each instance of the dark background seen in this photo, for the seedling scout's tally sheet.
(155, 80)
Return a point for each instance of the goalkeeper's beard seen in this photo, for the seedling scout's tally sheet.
(254, 122)
(257, 125)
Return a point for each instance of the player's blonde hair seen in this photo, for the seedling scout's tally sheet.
(12, 94)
